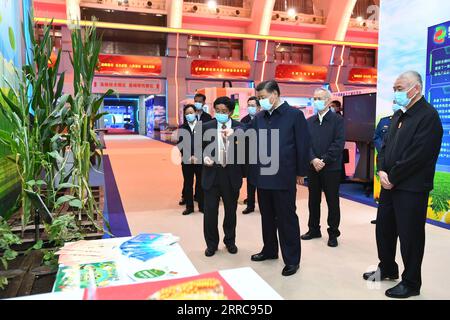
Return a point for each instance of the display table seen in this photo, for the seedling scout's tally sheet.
(245, 281)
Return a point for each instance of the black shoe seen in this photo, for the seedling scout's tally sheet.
(182, 202)
(232, 249)
(187, 211)
(290, 270)
(379, 276)
(248, 210)
(261, 257)
(401, 291)
(245, 201)
(195, 199)
(209, 252)
(373, 222)
(309, 236)
(332, 242)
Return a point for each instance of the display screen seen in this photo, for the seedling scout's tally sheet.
(359, 117)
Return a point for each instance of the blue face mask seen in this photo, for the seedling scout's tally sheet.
(265, 104)
(396, 107)
(401, 97)
(222, 117)
(319, 105)
(198, 106)
(191, 117)
(251, 110)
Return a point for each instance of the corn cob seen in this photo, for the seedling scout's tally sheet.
(202, 289)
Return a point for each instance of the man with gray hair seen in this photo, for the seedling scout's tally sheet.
(325, 156)
(406, 166)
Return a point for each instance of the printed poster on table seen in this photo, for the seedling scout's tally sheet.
(86, 275)
(209, 286)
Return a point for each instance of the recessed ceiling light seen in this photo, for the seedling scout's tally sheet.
(291, 12)
(212, 4)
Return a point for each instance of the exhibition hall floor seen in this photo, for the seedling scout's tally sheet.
(149, 185)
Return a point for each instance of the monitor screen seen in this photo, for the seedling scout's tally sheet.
(359, 117)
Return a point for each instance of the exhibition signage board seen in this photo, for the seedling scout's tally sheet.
(220, 69)
(301, 73)
(363, 76)
(127, 85)
(129, 65)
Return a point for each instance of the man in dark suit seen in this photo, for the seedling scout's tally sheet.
(191, 162)
(327, 144)
(253, 108)
(221, 177)
(282, 133)
(199, 102)
(406, 166)
(201, 115)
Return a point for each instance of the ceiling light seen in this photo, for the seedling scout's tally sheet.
(212, 4)
(291, 12)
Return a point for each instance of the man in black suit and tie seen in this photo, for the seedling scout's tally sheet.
(221, 177)
(189, 136)
(282, 133)
(253, 108)
(406, 166)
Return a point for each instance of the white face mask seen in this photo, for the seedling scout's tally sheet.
(266, 104)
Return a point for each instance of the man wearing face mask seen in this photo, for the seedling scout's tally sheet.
(406, 166)
(191, 166)
(221, 178)
(199, 102)
(201, 115)
(277, 191)
(253, 107)
(380, 133)
(336, 106)
(327, 144)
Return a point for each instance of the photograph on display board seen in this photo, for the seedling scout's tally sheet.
(423, 46)
(210, 286)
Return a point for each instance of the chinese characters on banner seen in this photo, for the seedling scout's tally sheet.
(127, 85)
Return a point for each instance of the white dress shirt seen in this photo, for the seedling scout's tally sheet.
(220, 138)
(321, 116)
(192, 125)
(271, 111)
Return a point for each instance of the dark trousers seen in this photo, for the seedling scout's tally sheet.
(221, 189)
(251, 190)
(328, 182)
(189, 171)
(402, 214)
(278, 212)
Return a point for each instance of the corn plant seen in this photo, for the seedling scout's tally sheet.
(85, 107)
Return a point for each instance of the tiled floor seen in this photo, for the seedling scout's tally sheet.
(150, 187)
